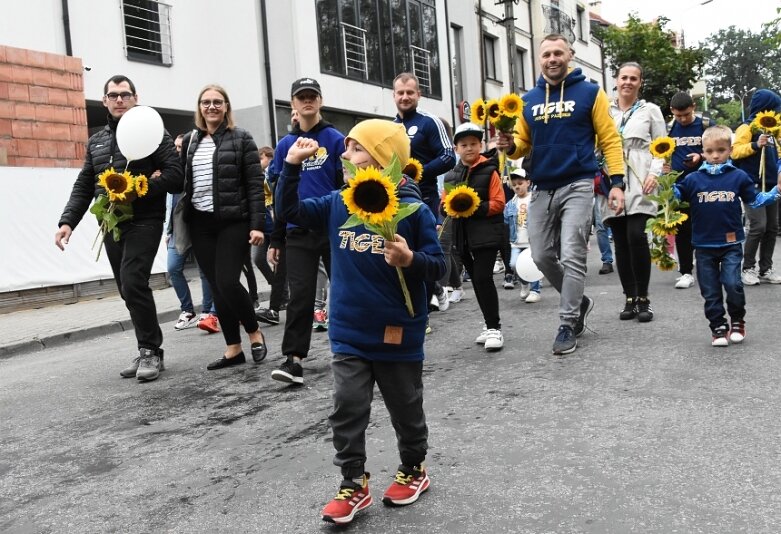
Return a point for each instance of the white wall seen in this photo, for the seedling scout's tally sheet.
(30, 208)
(33, 24)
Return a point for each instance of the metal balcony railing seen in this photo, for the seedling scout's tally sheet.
(421, 67)
(354, 46)
(147, 29)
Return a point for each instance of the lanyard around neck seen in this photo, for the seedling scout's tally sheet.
(625, 118)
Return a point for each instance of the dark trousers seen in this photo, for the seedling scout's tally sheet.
(249, 274)
(401, 386)
(717, 268)
(276, 278)
(761, 236)
(131, 260)
(479, 264)
(505, 251)
(221, 249)
(633, 257)
(683, 244)
(304, 249)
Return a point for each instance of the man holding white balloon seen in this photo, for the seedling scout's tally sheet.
(140, 145)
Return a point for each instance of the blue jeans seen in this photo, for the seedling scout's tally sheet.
(559, 223)
(179, 282)
(717, 268)
(514, 253)
(603, 235)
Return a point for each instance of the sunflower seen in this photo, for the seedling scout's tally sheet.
(371, 196)
(492, 110)
(662, 147)
(116, 185)
(461, 201)
(511, 105)
(766, 121)
(414, 169)
(142, 185)
(478, 112)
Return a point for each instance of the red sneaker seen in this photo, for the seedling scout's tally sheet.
(209, 324)
(738, 331)
(409, 484)
(351, 499)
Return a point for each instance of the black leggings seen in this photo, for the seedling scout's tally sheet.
(479, 264)
(683, 244)
(221, 249)
(633, 257)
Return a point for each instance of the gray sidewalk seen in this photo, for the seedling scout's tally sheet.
(32, 330)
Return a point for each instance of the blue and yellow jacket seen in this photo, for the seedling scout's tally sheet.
(745, 151)
(559, 129)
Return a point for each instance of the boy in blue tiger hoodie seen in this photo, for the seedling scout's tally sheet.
(373, 337)
(714, 193)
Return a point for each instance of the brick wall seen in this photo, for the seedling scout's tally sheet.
(43, 117)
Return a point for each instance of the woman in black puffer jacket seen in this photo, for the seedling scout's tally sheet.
(225, 212)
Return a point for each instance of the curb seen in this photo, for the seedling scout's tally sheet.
(57, 340)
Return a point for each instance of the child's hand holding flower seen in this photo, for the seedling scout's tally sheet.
(397, 253)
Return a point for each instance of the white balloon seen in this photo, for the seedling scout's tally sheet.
(526, 268)
(139, 132)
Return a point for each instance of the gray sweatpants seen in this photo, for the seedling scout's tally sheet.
(559, 224)
(401, 386)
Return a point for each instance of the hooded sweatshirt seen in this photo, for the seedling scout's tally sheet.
(366, 305)
(559, 129)
(746, 154)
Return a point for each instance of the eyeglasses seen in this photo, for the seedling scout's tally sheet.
(208, 103)
(124, 96)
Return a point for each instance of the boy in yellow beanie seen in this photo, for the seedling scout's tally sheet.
(373, 338)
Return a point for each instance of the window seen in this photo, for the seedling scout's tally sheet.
(520, 70)
(556, 21)
(489, 56)
(147, 27)
(582, 24)
(374, 40)
(457, 59)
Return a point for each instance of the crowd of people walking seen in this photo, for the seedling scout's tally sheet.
(233, 205)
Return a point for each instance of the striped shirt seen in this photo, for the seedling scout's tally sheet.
(203, 172)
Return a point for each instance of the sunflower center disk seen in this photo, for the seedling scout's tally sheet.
(461, 202)
(371, 197)
(116, 183)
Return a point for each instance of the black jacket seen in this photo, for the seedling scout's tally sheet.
(238, 178)
(102, 153)
(480, 230)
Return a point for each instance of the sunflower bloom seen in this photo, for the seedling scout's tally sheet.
(141, 185)
(461, 201)
(662, 147)
(492, 110)
(511, 105)
(766, 121)
(477, 116)
(414, 169)
(371, 196)
(117, 185)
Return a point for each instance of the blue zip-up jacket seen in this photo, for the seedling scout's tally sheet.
(559, 129)
(688, 140)
(714, 201)
(320, 174)
(429, 144)
(365, 297)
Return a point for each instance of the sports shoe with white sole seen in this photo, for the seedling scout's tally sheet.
(685, 281)
(186, 320)
(493, 340)
(532, 297)
(351, 499)
(409, 484)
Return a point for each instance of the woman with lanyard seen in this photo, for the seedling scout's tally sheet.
(639, 122)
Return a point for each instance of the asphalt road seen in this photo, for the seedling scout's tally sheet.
(645, 428)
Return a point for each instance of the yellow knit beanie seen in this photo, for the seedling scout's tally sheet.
(381, 139)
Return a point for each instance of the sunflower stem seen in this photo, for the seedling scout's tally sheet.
(762, 168)
(442, 226)
(405, 291)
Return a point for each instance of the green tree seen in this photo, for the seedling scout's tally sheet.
(739, 60)
(727, 113)
(666, 69)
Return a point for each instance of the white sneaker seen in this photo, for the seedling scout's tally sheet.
(525, 290)
(434, 303)
(482, 337)
(749, 277)
(493, 340)
(770, 277)
(684, 281)
(456, 296)
(498, 267)
(534, 296)
(444, 302)
(186, 320)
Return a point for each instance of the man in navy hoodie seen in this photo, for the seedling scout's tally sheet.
(563, 117)
(320, 174)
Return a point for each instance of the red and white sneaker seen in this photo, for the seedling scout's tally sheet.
(738, 331)
(409, 484)
(351, 499)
